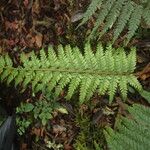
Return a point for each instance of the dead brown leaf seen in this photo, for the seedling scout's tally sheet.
(26, 2)
(67, 147)
(145, 73)
(23, 146)
(11, 25)
(36, 7)
(38, 40)
(58, 129)
(38, 131)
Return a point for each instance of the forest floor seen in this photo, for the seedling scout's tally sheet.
(27, 26)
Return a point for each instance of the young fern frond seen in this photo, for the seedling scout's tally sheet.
(131, 133)
(104, 71)
(116, 15)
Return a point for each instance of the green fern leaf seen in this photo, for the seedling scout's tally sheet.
(5, 74)
(56, 77)
(46, 78)
(37, 79)
(20, 77)
(104, 84)
(100, 57)
(89, 57)
(2, 62)
(132, 80)
(8, 61)
(116, 15)
(11, 77)
(104, 70)
(109, 60)
(130, 133)
(63, 82)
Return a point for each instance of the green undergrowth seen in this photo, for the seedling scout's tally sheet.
(38, 112)
(89, 137)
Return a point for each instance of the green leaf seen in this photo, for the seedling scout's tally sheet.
(62, 110)
(28, 107)
(44, 121)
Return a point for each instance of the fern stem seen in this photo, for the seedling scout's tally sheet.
(90, 72)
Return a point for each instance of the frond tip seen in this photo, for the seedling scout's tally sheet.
(103, 71)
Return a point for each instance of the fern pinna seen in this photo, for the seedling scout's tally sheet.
(117, 15)
(102, 71)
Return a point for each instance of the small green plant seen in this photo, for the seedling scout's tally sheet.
(54, 146)
(22, 121)
(90, 137)
(24, 108)
(22, 125)
(41, 111)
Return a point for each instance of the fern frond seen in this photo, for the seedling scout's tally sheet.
(131, 134)
(63, 82)
(116, 15)
(105, 71)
